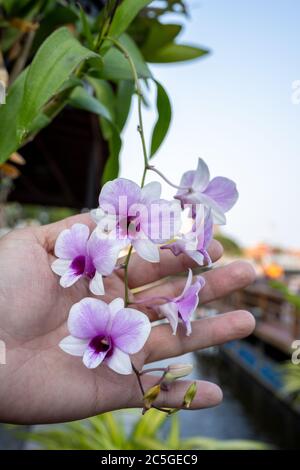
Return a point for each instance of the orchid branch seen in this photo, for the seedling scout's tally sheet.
(139, 93)
(183, 188)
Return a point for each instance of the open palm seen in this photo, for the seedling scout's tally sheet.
(40, 383)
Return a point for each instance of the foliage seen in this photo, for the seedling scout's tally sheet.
(289, 296)
(230, 246)
(107, 432)
(291, 377)
(57, 53)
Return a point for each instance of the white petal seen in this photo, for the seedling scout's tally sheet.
(74, 346)
(116, 305)
(188, 283)
(72, 242)
(147, 250)
(216, 211)
(97, 214)
(170, 311)
(119, 362)
(61, 266)
(96, 285)
(92, 359)
(150, 192)
(196, 256)
(69, 278)
(202, 176)
(106, 223)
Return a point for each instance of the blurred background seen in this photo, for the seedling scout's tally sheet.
(235, 103)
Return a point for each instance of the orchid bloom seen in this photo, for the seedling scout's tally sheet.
(81, 255)
(219, 194)
(183, 306)
(137, 215)
(105, 333)
(195, 243)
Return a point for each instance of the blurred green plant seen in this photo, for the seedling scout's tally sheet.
(289, 296)
(290, 372)
(55, 53)
(291, 378)
(230, 246)
(107, 432)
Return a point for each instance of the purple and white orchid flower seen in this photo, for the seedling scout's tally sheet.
(220, 194)
(137, 215)
(81, 255)
(195, 243)
(105, 333)
(183, 306)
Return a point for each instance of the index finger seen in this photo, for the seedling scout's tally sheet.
(141, 272)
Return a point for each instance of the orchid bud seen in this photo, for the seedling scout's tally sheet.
(150, 396)
(174, 372)
(189, 395)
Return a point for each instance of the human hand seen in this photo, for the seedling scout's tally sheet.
(42, 384)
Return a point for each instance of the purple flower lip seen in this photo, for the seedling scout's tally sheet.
(83, 265)
(105, 333)
(101, 344)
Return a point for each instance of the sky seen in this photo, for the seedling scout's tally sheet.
(235, 110)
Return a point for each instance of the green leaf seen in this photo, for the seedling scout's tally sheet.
(81, 99)
(125, 91)
(125, 14)
(116, 66)
(105, 95)
(159, 35)
(164, 119)
(86, 28)
(58, 15)
(174, 434)
(53, 64)
(149, 425)
(176, 53)
(39, 122)
(112, 167)
(8, 113)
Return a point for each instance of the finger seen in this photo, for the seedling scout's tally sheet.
(141, 272)
(207, 395)
(205, 333)
(48, 234)
(219, 282)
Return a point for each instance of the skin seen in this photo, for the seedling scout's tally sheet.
(42, 384)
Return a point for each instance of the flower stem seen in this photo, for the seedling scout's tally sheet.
(138, 376)
(139, 93)
(154, 369)
(151, 300)
(126, 276)
(152, 168)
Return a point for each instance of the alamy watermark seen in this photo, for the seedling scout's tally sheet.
(295, 95)
(2, 92)
(2, 352)
(296, 354)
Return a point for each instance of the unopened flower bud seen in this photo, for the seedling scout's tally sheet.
(189, 395)
(150, 396)
(174, 372)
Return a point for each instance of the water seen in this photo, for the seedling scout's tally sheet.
(242, 414)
